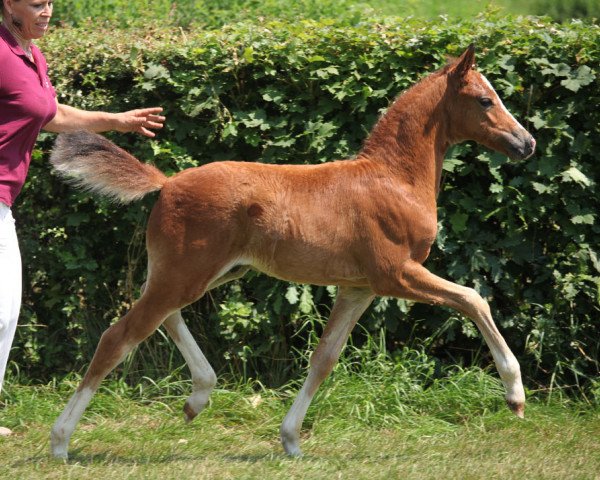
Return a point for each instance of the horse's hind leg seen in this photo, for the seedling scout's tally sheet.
(204, 378)
(117, 341)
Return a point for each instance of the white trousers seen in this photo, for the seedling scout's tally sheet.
(10, 285)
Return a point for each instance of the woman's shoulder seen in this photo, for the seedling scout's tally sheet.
(4, 48)
(4, 54)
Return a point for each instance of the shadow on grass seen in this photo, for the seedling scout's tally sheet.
(78, 457)
(106, 458)
(257, 457)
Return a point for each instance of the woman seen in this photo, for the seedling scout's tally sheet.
(27, 104)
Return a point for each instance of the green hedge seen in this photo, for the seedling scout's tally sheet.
(525, 234)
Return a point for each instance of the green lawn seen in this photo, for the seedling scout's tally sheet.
(455, 9)
(126, 436)
(215, 13)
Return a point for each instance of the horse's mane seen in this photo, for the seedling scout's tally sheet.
(450, 62)
(381, 132)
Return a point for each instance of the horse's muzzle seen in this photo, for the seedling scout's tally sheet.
(521, 145)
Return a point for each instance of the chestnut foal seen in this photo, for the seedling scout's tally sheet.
(365, 225)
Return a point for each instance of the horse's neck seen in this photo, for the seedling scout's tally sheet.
(411, 140)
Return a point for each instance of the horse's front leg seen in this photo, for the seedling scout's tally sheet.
(116, 342)
(415, 282)
(349, 306)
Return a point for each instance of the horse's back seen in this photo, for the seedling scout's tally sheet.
(294, 222)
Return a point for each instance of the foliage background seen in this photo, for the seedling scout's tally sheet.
(524, 234)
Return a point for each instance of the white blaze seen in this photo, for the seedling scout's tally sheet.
(487, 82)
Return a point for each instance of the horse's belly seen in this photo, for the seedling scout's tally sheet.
(310, 264)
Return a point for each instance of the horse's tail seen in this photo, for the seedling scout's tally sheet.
(93, 163)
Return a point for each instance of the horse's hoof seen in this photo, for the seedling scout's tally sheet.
(59, 444)
(189, 412)
(518, 408)
(291, 444)
(59, 452)
(292, 450)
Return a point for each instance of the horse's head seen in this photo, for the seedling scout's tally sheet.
(477, 113)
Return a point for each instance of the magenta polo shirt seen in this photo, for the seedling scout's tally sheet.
(27, 103)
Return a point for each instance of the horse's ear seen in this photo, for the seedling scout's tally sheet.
(465, 63)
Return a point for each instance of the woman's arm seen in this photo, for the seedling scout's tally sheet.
(68, 119)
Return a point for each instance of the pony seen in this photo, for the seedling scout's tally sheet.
(364, 224)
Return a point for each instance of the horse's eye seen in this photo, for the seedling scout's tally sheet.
(485, 102)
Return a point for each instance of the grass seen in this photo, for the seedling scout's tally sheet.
(215, 13)
(429, 9)
(375, 418)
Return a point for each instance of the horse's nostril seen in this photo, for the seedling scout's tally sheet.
(529, 146)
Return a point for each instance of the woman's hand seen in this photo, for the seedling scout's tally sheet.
(141, 120)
